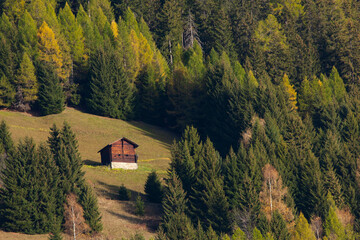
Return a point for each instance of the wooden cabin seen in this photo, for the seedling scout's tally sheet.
(120, 154)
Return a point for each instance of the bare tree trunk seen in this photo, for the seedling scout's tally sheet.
(74, 225)
(171, 57)
(270, 196)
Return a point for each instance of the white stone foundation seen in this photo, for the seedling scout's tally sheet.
(123, 165)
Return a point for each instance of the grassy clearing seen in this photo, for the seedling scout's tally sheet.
(93, 133)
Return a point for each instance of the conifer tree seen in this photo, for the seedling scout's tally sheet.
(27, 31)
(303, 230)
(176, 224)
(7, 57)
(26, 83)
(185, 156)
(7, 93)
(153, 188)
(278, 227)
(50, 52)
(257, 235)
(271, 44)
(171, 22)
(290, 91)
(239, 234)
(30, 185)
(5, 138)
(68, 139)
(50, 97)
(333, 226)
(208, 202)
(88, 201)
(110, 91)
(92, 37)
(73, 32)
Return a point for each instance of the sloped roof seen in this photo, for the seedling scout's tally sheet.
(120, 139)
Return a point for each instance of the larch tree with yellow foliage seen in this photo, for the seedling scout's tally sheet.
(303, 230)
(73, 33)
(290, 91)
(49, 48)
(27, 84)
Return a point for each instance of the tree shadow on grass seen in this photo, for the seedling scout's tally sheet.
(151, 219)
(112, 192)
(91, 163)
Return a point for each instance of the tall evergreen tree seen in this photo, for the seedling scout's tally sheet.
(30, 185)
(110, 93)
(51, 97)
(208, 202)
(26, 84)
(88, 201)
(176, 224)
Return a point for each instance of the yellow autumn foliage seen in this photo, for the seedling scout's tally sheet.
(114, 29)
(49, 48)
(291, 92)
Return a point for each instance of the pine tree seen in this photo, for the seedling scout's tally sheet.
(50, 52)
(73, 32)
(239, 235)
(5, 138)
(290, 91)
(26, 83)
(110, 91)
(303, 230)
(50, 97)
(7, 93)
(208, 202)
(333, 226)
(257, 235)
(278, 227)
(30, 185)
(7, 57)
(88, 201)
(27, 31)
(68, 139)
(176, 225)
(271, 44)
(153, 188)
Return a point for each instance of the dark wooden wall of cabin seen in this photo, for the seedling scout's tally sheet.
(106, 155)
(123, 151)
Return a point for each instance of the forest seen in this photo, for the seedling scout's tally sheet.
(266, 94)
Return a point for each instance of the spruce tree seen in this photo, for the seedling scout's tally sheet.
(7, 93)
(153, 188)
(5, 138)
(303, 230)
(27, 34)
(30, 186)
(73, 32)
(88, 201)
(278, 227)
(176, 224)
(208, 202)
(70, 143)
(51, 96)
(110, 93)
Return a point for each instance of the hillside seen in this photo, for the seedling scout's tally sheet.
(93, 133)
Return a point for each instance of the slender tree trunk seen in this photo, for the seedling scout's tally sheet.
(171, 57)
(270, 195)
(73, 218)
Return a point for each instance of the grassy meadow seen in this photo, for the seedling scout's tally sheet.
(93, 133)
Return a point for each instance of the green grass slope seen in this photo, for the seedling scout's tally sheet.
(93, 133)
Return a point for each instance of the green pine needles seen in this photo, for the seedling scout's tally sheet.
(36, 181)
